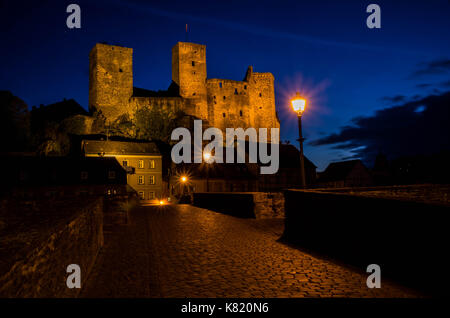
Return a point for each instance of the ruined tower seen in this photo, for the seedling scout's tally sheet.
(189, 73)
(110, 80)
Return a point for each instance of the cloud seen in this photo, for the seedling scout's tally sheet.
(415, 127)
(439, 66)
(393, 99)
(445, 83)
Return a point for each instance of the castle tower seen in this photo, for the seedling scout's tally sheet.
(189, 73)
(110, 80)
(262, 99)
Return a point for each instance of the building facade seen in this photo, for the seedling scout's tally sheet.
(141, 161)
(220, 103)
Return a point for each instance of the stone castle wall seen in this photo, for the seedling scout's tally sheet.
(220, 103)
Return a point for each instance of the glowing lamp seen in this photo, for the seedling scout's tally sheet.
(183, 179)
(298, 104)
(206, 156)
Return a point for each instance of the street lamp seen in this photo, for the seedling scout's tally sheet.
(299, 104)
(183, 180)
(207, 157)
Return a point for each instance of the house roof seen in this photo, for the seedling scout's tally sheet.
(120, 147)
(290, 157)
(339, 170)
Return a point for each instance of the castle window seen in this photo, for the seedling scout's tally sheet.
(193, 63)
(235, 91)
(214, 96)
(240, 113)
(193, 94)
(245, 86)
(224, 97)
(220, 84)
(224, 115)
(260, 94)
(120, 70)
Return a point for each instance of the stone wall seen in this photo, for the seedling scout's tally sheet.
(243, 204)
(407, 239)
(40, 270)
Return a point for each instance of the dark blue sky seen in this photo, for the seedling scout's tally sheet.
(321, 48)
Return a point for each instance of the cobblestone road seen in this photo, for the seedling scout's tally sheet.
(183, 251)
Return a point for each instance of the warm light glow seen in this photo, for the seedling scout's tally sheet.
(161, 202)
(206, 156)
(183, 179)
(298, 104)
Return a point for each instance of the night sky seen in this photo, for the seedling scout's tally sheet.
(348, 72)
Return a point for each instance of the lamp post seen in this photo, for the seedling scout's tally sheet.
(207, 157)
(298, 104)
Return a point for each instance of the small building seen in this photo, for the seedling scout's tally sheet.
(352, 173)
(141, 160)
(288, 174)
(215, 177)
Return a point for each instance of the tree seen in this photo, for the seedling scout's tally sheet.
(154, 123)
(14, 123)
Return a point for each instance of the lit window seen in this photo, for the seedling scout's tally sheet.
(111, 174)
(141, 195)
(152, 164)
(151, 179)
(84, 175)
(141, 179)
(125, 163)
(141, 164)
(151, 195)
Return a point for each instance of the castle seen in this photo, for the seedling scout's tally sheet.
(220, 103)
